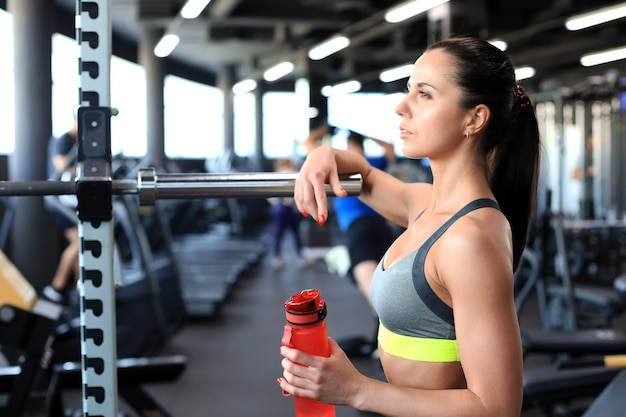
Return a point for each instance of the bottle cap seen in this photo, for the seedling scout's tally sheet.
(305, 307)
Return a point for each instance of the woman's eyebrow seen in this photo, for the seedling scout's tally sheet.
(419, 85)
(425, 84)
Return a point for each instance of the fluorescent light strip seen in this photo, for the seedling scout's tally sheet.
(166, 45)
(396, 73)
(411, 8)
(523, 73)
(603, 57)
(329, 47)
(597, 17)
(278, 71)
(193, 8)
(244, 86)
(347, 87)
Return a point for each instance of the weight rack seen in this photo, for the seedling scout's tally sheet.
(95, 188)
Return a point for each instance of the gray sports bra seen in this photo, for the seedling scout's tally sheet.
(404, 301)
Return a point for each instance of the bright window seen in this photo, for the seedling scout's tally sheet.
(65, 82)
(194, 119)
(245, 125)
(128, 96)
(371, 114)
(283, 118)
(7, 117)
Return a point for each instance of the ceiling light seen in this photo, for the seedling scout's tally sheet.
(342, 88)
(278, 71)
(327, 90)
(499, 43)
(166, 45)
(193, 8)
(603, 57)
(597, 17)
(244, 86)
(329, 47)
(396, 73)
(411, 8)
(523, 73)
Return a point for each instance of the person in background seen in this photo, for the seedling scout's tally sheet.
(62, 155)
(285, 219)
(449, 338)
(366, 234)
(585, 172)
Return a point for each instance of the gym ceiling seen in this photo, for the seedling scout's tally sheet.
(252, 35)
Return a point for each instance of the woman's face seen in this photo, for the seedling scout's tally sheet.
(432, 121)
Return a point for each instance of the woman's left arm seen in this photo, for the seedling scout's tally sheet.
(477, 272)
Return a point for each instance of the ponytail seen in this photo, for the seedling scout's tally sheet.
(510, 140)
(515, 170)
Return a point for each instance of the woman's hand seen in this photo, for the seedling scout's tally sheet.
(332, 380)
(319, 169)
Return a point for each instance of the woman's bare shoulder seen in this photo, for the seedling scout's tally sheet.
(481, 241)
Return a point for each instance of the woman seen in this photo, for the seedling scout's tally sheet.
(449, 337)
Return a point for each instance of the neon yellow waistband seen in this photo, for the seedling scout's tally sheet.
(417, 348)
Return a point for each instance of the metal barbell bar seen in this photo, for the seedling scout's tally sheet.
(151, 186)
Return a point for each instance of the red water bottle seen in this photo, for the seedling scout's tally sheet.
(306, 331)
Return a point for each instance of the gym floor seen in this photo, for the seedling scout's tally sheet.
(233, 358)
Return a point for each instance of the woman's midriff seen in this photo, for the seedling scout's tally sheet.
(423, 375)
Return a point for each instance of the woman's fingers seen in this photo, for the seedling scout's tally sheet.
(310, 196)
(304, 197)
(319, 169)
(319, 190)
(293, 381)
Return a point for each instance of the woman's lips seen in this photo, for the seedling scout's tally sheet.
(404, 133)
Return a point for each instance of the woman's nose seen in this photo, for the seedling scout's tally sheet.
(401, 108)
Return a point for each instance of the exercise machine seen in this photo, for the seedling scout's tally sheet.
(563, 303)
(26, 324)
(575, 371)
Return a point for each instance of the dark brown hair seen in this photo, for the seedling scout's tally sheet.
(510, 141)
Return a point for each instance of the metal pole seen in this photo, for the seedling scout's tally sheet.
(152, 186)
(95, 211)
(242, 185)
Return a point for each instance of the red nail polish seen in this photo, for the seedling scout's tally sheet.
(285, 393)
(304, 213)
(321, 220)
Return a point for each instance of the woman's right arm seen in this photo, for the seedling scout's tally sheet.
(323, 166)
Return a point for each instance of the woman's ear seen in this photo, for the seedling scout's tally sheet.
(479, 116)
